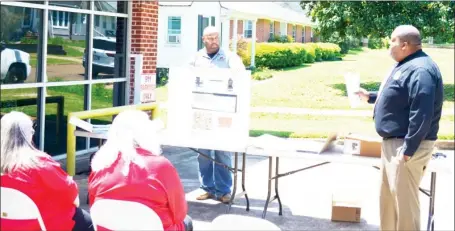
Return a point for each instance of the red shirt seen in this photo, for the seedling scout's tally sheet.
(156, 185)
(52, 190)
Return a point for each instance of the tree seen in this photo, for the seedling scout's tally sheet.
(377, 19)
(10, 22)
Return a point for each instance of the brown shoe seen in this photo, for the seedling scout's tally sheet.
(205, 196)
(225, 199)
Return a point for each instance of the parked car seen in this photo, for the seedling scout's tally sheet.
(15, 65)
(103, 56)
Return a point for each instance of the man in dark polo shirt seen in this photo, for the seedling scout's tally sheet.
(406, 114)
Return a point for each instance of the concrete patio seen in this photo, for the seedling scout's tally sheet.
(306, 196)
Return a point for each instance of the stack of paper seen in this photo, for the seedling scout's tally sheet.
(93, 128)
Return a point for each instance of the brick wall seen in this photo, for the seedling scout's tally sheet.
(144, 38)
(262, 30)
(239, 28)
(307, 34)
(277, 28)
(298, 34)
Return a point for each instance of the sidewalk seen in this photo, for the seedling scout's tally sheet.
(324, 112)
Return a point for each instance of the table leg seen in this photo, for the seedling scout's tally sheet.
(269, 188)
(234, 188)
(430, 224)
(277, 196)
(243, 182)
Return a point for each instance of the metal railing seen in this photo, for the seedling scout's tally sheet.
(71, 138)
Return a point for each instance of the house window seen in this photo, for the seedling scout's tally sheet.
(60, 19)
(294, 31)
(272, 29)
(174, 29)
(303, 34)
(248, 29)
(27, 14)
(312, 35)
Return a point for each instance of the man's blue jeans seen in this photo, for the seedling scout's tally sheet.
(215, 179)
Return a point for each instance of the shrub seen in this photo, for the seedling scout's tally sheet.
(281, 55)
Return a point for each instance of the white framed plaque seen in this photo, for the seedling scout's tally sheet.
(209, 102)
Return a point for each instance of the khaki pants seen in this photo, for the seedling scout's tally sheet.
(399, 198)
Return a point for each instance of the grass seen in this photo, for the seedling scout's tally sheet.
(321, 85)
(304, 126)
(51, 61)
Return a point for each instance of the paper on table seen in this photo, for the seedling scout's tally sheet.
(352, 81)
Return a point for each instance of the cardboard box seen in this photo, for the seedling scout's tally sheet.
(348, 210)
(357, 144)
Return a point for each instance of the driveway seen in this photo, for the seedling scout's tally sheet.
(66, 72)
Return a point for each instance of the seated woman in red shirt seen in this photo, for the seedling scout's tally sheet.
(38, 176)
(129, 167)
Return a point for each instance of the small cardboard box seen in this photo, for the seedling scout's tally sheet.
(346, 210)
(363, 145)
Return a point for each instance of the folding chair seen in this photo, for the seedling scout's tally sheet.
(124, 215)
(238, 222)
(15, 205)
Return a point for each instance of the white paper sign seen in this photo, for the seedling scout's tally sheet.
(211, 102)
(147, 88)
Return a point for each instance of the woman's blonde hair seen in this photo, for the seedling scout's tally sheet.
(17, 150)
(130, 130)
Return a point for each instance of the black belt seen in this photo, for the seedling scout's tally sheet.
(393, 137)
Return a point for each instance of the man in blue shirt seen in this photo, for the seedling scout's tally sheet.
(406, 114)
(216, 180)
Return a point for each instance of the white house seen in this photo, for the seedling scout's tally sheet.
(73, 25)
(180, 26)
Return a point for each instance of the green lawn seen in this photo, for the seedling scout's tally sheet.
(52, 61)
(321, 85)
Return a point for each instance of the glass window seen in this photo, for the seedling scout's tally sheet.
(248, 28)
(19, 37)
(66, 46)
(272, 29)
(109, 49)
(23, 100)
(303, 34)
(71, 4)
(61, 101)
(112, 6)
(174, 29)
(294, 31)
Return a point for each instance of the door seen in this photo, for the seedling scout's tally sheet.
(203, 22)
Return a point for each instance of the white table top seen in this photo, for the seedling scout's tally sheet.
(334, 154)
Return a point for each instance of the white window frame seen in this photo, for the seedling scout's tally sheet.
(303, 34)
(56, 24)
(247, 23)
(177, 33)
(272, 29)
(30, 18)
(294, 32)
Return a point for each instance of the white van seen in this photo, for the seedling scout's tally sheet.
(15, 65)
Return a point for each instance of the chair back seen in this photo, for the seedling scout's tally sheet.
(124, 215)
(15, 205)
